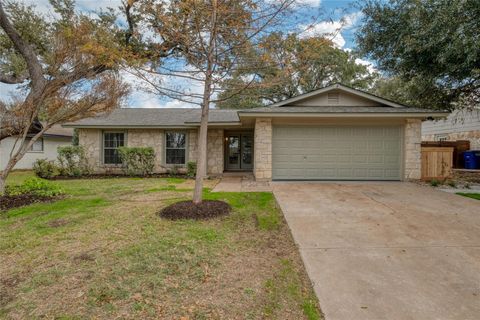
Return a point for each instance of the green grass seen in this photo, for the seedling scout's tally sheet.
(103, 252)
(470, 195)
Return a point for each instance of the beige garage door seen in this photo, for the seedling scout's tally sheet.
(337, 152)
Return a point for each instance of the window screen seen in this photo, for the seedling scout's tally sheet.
(37, 146)
(175, 147)
(111, 142)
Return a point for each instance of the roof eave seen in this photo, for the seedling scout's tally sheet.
(101, 126)
(187, 125)
(217, 124)
(343, 115)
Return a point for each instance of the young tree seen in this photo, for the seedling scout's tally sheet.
(65, 66)
(289, 65)
(210, 40)
(430, 48)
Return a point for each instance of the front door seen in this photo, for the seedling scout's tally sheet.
(239, 151)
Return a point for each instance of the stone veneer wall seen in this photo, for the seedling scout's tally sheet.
(413, 141)
(472, 136)
(192, 145)
(215, 154)
(91, 140)
(263, 149)
(149, 138)
(215, 151)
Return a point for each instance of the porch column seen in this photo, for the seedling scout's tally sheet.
(215, 153)
(263, 149)
(413, 157)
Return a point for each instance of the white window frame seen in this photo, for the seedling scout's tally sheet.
(39, 140)
(103, 146)
(165, 148)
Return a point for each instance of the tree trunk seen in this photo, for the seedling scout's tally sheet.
(4, 176)
(202, 138)
(2, 184)
(207, 91)
(202, 154)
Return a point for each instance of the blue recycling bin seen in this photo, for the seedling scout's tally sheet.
(472, 159)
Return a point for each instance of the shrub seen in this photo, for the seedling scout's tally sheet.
(137, 160)
(35, 186)
(191, 169)
(73, 161)
(45, 169)
(434, 183)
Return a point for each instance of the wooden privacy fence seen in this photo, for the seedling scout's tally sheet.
(459, 147)
(437, 162)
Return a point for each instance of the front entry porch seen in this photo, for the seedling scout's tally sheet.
(238, 151)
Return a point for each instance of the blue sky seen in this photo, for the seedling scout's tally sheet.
(330, 16)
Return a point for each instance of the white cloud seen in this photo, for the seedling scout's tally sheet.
(311, 3)
(370, 66)
(332, 29)
(83, 5)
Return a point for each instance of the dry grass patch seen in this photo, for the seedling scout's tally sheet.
(115, 258)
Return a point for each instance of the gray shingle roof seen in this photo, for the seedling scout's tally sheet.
(59, 131)
(171, 117)
(337, 109)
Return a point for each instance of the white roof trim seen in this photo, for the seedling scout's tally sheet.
(343, 115)
(338, 87)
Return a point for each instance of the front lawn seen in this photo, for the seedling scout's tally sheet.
(470, 195)
(102, 252)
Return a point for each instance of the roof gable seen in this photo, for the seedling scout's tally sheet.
(339, 95)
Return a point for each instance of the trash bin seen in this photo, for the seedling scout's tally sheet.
(472, 159)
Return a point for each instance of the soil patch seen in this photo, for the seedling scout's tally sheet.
(207, 209)
(85, 256)
(57, 223)
(7, 287)
(10, 202)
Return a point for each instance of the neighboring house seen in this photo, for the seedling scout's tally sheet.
(334, 133)
(459, 125)
(43, 148)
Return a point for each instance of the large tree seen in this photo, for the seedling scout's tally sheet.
(289, 65)
(430, 47)
(209, 39)
(65, 68)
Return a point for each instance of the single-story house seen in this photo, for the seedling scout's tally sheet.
(459, 125)
(43, 148)
(334, 133)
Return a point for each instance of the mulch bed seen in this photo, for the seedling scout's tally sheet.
(10, 202)
(207, 209)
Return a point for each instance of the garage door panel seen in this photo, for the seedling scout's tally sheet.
(342, 152)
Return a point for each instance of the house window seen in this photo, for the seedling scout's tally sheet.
(175, 147)
(441, 137)
(37, 146)
(111, 142)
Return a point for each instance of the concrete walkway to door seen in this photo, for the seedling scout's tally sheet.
(241, 182)
(387, 250)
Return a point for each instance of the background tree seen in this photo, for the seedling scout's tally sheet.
(65, 68)
(209, 39)
(430, 47)
(288, 65)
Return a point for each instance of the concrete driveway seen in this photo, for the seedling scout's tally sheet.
(387, 250)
